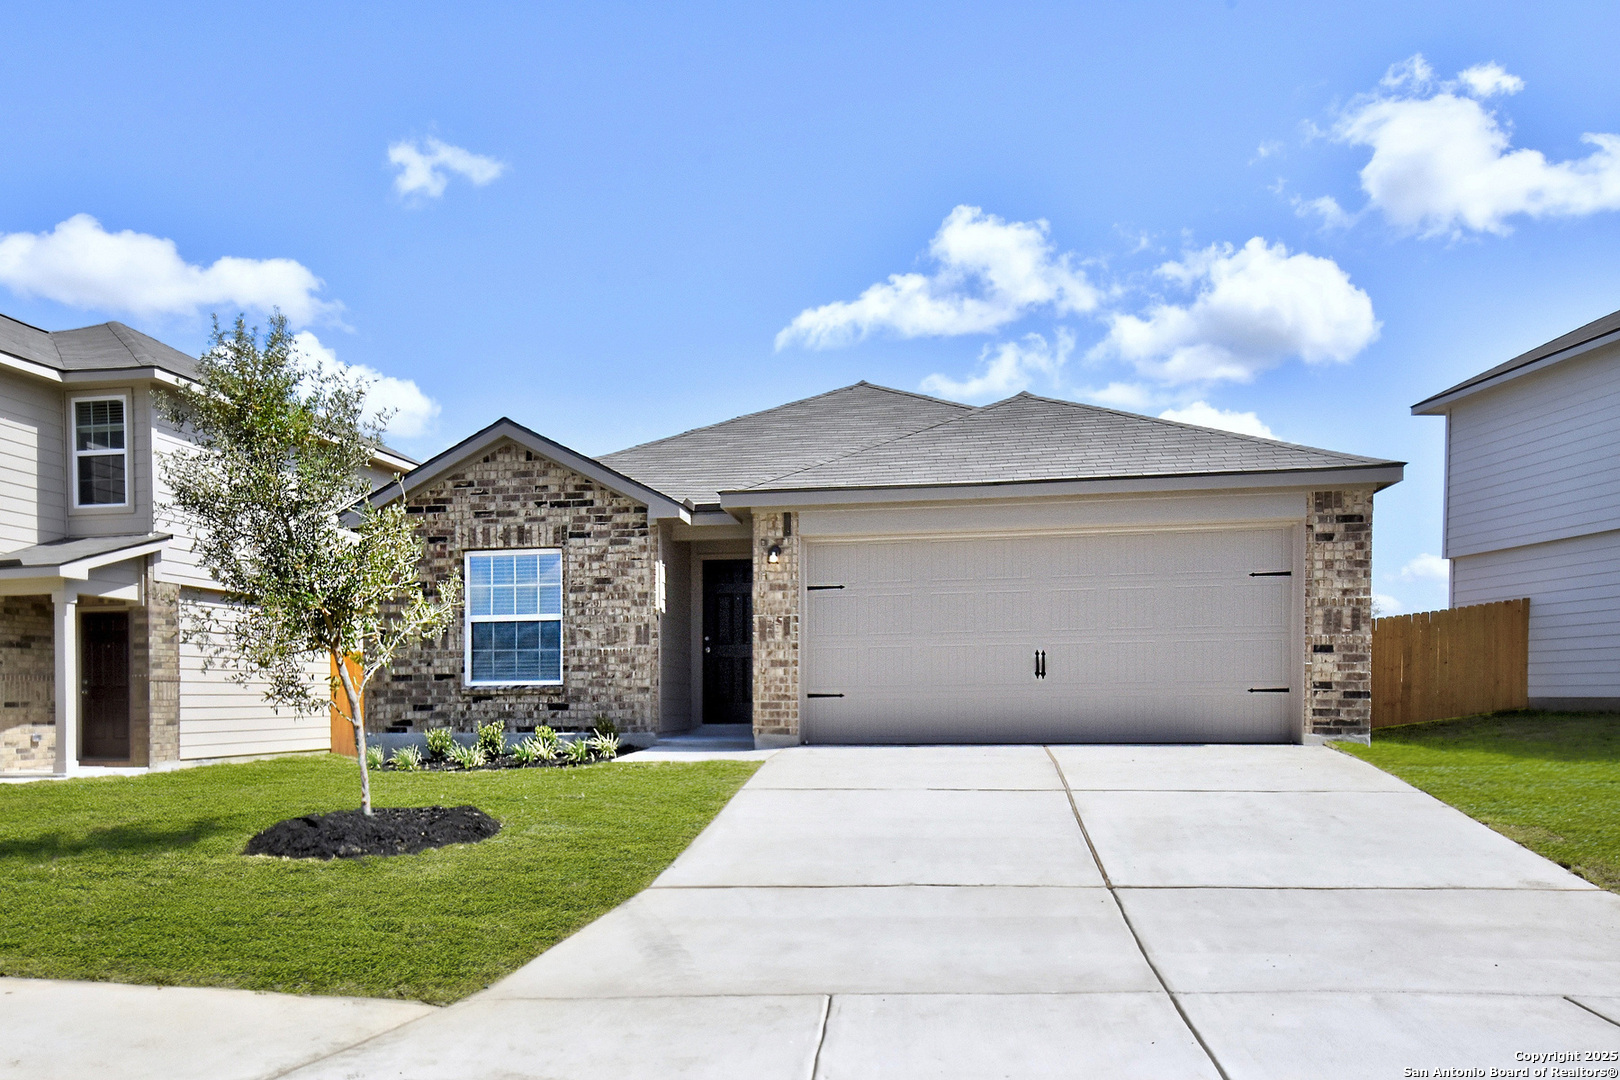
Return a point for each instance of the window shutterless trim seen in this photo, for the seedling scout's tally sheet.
(75, 455)
(468, 619)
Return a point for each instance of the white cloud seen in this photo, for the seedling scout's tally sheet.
(1426, 568)
(1133, 397)
(1255, 307)
(1007, 368)
(1203, 414)
(412, 412)
(1486, 80)
(424, 167)
(1325, 207)
(81, 264)
(1442, 164)
(1384, 605)
(991, 272)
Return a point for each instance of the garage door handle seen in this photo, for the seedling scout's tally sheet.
(1272, 573)
(1040, 663)
(1268, 689)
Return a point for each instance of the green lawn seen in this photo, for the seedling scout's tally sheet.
(1551, 781)
(141, 879)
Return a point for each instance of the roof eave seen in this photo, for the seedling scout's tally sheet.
(1379, 475)
(1441, 403)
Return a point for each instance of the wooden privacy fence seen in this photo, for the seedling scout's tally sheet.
(1438, 664)
(342, 726)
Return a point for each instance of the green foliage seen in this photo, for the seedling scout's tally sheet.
(1547, 780)
(280, 453)
(207, 916)
(440, 741)
(526, 752)
(407, 759)
(603, 747)
(546, 735)
(374, 757)
(492, 739)
(577, 751)
(603, 726)
(468, 757)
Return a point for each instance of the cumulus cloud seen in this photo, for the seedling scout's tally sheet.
(1132, 397)
(1006, 368)
(1255, 307)
(990, 272)
(81, 264)
(1326, 208)
(1384, 605)
(410, 412)
(1203, 414)
(425, 167)
(1426, 568)
(1442, 162)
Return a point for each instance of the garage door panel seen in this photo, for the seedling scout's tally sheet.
(1147, 637)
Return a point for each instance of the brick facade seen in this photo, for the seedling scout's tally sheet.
(154, 657)
(1338, 614)
(27, 685)
(776, 631)
(512, 498)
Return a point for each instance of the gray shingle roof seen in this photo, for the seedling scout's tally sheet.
(753, 449)
(1579, 336)
(54, 553)
(1029, 438)
(109, 346)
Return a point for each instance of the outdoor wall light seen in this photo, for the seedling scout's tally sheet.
(775, 554)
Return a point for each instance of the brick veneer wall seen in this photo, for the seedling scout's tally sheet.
(511, 498)
(154, 644)
(27, 685)
(1338, 614)
(776, 631)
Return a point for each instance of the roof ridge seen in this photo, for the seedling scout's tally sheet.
(115, 328)
(1193, 427)
(744, 416)
(914, 394)
(19, 322)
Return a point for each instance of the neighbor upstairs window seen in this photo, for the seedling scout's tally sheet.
(514, 617)
(100, 452)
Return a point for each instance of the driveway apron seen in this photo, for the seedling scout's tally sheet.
(1257, 911)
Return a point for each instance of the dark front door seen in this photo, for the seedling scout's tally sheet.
(728, 642)
(105, 639)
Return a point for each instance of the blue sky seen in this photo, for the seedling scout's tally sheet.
(616, 222)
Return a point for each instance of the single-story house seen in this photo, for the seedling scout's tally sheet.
(96, 581)
(876, 566)
(1532, 505)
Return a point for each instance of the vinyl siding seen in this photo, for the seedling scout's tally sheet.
(1574, 591)
(179, 561)
(223, 718)
(1537, 459)
(33, 468)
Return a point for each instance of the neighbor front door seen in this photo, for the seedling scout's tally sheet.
(105, 638)
(728, 653)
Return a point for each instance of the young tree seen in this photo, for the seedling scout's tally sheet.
(279, 454)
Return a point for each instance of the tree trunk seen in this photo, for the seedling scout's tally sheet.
(357, 717)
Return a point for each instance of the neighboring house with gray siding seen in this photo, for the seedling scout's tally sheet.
(95, 582)
(1532, 505)
(870, 565)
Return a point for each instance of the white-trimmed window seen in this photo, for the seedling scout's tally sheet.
(514, 617)
(100, 451)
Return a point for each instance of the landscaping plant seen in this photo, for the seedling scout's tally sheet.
(603, 747)
(280, 456)
(468, 757)
(374, 757)
(440, 740)
(577, 751)
(546, 735)
(407, 759)
(492, 739)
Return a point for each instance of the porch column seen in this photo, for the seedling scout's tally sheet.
(66, 603)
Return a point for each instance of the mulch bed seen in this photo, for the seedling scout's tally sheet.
(348, 834)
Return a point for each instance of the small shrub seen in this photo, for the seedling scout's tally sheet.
(577, 752)
(546, 735)
(440, 741)
(603, 747)
(374, 757)
(604, 726)
(524, 753)
(492, 739)
(468, 757)
(407, 759)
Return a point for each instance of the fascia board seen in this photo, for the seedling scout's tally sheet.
(79, 569)
(1379, 476)
(1441, 403)
(658, 504)
(30, 367)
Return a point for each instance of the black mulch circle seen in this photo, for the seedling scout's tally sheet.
(348, 834)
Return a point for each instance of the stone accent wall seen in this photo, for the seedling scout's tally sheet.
(776, 631)
(154, 655)
(1338, 614)
(27, 685)
(512, 498)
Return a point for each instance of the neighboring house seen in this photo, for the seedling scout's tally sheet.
(95, 584)
(871, 565)
(1532, 505)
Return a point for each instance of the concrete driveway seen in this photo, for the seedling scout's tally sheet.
(1079, 911)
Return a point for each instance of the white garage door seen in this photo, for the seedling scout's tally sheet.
(1122, 637)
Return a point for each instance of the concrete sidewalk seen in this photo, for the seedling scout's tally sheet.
(1153, 912)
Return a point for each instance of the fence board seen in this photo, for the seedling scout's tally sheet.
(1433, 665)
(342, 726)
